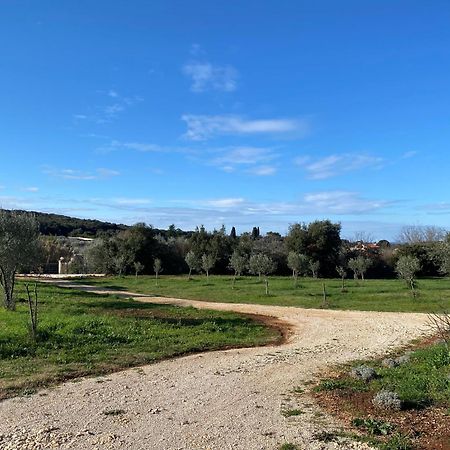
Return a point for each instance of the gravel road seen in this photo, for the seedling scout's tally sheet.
(232, 399)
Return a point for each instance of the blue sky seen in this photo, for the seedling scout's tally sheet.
(242, 113)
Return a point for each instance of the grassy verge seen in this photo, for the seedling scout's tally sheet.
(370, 295)
(422, 384)
(85, 334)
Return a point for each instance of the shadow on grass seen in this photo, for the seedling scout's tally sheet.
(169, 314)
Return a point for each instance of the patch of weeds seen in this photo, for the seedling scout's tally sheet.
(288, 446)
(291, 412)
(114, 412)
(298, 390)
(27, 392)
(373, 426)
(398, 441)
(356, 437)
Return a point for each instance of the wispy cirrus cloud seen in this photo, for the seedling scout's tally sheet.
(74, 174)
(343, 202)
(410, 154)
(436, 208)
(108, 110)
(143, 147)
(203, 127)
(225, 202)
(314, 203)
(254, 159)
(206, 76)
(337, 164)
(30, 189)
(263, 171)
(244, 155)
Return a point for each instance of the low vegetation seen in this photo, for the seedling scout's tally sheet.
(405, 406)
(432, 295)
(81, 334)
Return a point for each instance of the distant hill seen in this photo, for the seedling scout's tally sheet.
(59, 225)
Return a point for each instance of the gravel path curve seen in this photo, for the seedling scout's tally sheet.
(231, 399)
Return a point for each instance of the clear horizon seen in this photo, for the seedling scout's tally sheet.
(243, 114)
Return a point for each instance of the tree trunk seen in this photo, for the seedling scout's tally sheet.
(412, 288)
(343, 283)
(8, 282)
(190, 272)
(266, 281)
(324, 295)
(33, 309)
(234, 280)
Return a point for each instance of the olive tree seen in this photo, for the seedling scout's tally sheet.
(407, 268)
(208, 261)
(261, 264)
(342, 273)
(298, 264)
(363, 263)
(314, 267)
(192, 262)
(157, 268)
(238, 263)
(138, 268)
(19, 248)
(359, 266)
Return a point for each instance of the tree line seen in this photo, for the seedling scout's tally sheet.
(315, 249)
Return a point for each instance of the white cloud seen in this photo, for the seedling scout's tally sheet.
(106, 173)
(263, 170)
(244, 155)
(409, 154)
(132, 201)
(106, 113)
(31, 189)
(201, 127)
(206, 76)
(73, 174)
(196, 50)
(315, 203)
(144, 147)
(225, 202)
(338, 164)
(437, 208)
(342, 202)
(138, 146)
(111, 111)
(9, 202)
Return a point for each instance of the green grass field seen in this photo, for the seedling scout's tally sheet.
(85, 334)
(433, 294)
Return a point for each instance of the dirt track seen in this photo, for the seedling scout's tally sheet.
(230, 399)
